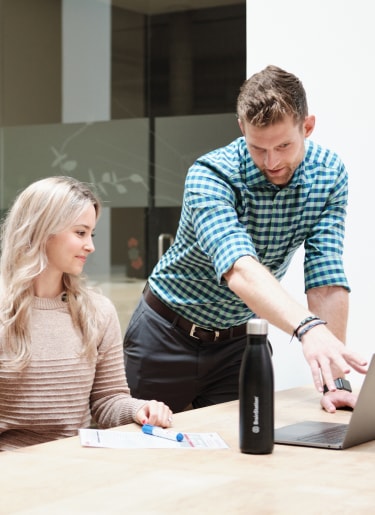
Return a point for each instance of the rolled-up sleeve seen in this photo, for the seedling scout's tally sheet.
(323, 265)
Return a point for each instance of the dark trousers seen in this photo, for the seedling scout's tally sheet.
(164, 363)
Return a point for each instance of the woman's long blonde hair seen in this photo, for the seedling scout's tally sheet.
(46, 207)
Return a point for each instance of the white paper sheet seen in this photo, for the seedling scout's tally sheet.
(132, 440)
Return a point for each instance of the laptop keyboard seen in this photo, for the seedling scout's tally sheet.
(330, 435)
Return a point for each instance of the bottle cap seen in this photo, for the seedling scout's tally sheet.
(257, 326)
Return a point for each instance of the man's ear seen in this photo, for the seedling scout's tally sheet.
(308, 125)
(241, 126)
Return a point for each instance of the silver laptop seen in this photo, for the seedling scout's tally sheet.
(331, 435)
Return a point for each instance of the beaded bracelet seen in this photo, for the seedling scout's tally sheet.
(308, 319)
(304, 322)
(308, 327)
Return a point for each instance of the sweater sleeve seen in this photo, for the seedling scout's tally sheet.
(111, 401)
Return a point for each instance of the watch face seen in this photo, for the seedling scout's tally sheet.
(343, 384)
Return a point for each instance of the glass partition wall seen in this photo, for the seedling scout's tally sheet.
(123, 95)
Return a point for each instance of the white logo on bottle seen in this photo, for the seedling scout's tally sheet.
(256, 428)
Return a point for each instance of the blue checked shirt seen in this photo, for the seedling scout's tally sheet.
(231, 210)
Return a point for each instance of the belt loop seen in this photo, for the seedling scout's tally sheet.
(175, 321)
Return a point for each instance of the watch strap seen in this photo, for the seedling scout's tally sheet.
(341, 384)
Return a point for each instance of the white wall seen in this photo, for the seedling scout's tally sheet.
(329, 45)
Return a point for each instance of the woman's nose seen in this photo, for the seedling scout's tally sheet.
(89, 245)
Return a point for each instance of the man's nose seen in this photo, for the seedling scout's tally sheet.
(271, 159)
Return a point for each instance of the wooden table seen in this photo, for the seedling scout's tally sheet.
(64, 478)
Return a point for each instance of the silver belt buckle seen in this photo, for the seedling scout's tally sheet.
(192, 331)
(194, 327)
(217, 334)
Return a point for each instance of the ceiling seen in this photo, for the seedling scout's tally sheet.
(151, 7)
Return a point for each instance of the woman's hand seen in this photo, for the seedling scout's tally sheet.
(155, 413)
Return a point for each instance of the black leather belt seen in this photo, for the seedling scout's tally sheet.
(206, 335)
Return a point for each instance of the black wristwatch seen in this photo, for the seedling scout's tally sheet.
(341, 384)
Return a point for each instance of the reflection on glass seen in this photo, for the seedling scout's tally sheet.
(173, 71)
(110, 155)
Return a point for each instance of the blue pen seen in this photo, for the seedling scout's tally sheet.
(148, 429)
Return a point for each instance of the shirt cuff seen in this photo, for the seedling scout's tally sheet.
(325, 271)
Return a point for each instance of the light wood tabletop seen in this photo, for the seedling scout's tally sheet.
(62, 477)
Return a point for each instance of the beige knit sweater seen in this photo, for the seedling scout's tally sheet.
(60, 391)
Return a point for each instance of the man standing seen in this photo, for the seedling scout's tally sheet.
(247, 208)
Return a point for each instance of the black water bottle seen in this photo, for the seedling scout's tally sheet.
(256, 391)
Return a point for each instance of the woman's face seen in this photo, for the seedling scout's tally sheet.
(67, 251)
